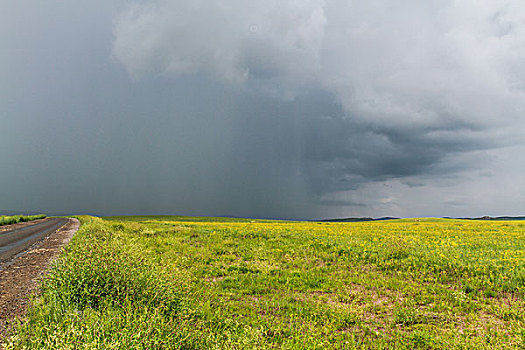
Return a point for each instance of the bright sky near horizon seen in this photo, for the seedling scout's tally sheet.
(285, 109)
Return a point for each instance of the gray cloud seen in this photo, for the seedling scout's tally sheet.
(402, 65)
(414, 86)
(282, 109)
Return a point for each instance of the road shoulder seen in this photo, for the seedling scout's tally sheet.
(19, 278)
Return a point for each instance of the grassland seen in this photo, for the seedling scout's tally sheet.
(182, 283)
(15, 219)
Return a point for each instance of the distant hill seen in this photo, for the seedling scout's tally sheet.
(28, 212)
(496, 218)
(358, 219)
(14, 212)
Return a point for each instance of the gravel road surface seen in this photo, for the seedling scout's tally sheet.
(19, 239)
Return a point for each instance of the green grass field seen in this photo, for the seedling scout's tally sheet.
(15, 219)
(188, 283)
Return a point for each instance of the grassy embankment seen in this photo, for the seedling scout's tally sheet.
(15, 219)
(183, 283)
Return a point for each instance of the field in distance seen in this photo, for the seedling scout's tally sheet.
(194, 283)
(15, 219)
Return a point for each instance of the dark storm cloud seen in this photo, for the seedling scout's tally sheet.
(341, 153)
(269, 109)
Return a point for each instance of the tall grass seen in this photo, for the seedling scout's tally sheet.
(15, 219)
(104, 293)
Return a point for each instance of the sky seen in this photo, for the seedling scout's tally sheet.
(284, 109)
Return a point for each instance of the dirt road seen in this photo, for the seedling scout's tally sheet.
(25, 253)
